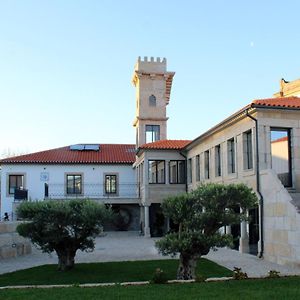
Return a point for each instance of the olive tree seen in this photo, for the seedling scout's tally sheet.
(200, 214)
(63, 226)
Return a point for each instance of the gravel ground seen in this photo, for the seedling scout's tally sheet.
(121, 246)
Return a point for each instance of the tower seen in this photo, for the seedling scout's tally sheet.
(153, 87)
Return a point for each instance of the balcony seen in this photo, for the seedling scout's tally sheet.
(125, 193)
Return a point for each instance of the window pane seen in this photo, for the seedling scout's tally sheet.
(156, 171)
(231, 156)
(206, 164)
(181, 171)
(74, 184)
(111, 184)
(197, 168)
(161, 172)
(15, 182)
(173, 171)
(218, 160)
(152, 133)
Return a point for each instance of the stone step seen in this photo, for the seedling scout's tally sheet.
(296, 200)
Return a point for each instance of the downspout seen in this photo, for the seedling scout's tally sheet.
(186, 183)
(260, 255)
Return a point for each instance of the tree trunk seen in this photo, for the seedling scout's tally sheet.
(66, 259)
(187, 267)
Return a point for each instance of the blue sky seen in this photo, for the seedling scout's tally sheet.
(66, 66)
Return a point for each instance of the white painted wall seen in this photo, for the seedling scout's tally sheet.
(92, 174)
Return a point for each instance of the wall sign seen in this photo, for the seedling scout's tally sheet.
(44, 176)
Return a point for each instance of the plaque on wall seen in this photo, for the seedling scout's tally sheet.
(44, 176)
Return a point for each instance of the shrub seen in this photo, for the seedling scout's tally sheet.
(238, 274)
(159, 276)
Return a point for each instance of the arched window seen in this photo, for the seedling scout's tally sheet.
(152, 100)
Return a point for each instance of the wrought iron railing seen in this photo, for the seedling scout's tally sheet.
(92, 191)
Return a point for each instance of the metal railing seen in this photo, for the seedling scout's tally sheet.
(92, 191)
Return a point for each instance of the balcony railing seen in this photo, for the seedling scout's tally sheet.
(92, 191)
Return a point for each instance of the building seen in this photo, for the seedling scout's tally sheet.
(259, 145)
(102, 172)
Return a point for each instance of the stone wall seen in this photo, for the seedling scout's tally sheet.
(11, 243)
(281, 222)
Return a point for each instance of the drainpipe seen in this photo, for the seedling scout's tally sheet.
(260, 255)
(186, 183)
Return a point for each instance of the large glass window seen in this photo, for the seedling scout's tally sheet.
(281, 154)
(177, 171)
(218, 160)
(74, 184)
(197, 167)
(111, 184)
(156, 171)
(206, 164)
(15, 182)
(152, 133)
(247, 150)
(190, 171)
(231, 156)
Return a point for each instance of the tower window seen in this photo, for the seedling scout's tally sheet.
(152, 100)
(152, 133)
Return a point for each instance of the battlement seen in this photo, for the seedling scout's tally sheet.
(151, 65)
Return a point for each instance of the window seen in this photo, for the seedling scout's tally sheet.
(177, 171)
(190, 171)
(198, 168)
(247, 150)
(74, 184)
(152, 133)
(152, 100)
(156, 171)
(111, 184)
(231, 156)
(15, 182)
(206, 164)
(218, 160)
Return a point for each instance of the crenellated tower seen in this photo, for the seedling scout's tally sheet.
(153, 87)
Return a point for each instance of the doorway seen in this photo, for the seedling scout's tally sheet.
(281, 154)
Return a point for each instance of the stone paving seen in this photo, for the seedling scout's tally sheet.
(121, 246)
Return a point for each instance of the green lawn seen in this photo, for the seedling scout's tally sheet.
(282, 288)
(106, 272)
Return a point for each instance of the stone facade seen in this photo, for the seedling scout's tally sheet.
(11, 243)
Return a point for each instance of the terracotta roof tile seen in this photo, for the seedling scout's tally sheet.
(286, 102)
(166, 145)
(282, 139)
(108, 154)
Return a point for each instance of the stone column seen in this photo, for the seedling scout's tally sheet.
(228, 229)
(244, 239)
(147, 223)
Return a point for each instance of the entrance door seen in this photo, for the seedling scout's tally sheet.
(281, 154)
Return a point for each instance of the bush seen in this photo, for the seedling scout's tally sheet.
(273, 274)
(238, 274)
(159, 276)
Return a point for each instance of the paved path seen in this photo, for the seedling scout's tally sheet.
(120, 246)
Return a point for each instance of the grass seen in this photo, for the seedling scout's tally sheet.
(281, 288)
(107, 272)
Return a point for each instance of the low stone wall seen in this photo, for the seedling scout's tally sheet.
(11, 243)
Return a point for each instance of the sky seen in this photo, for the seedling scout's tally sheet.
(66, 66)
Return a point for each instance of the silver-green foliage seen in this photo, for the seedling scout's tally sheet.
(199, 215)
(63, 226)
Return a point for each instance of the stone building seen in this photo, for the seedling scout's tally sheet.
(258, 145)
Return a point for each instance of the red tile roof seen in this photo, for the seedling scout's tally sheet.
(108, 154)
(286, 102)
(166, 145)
(282, 139)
